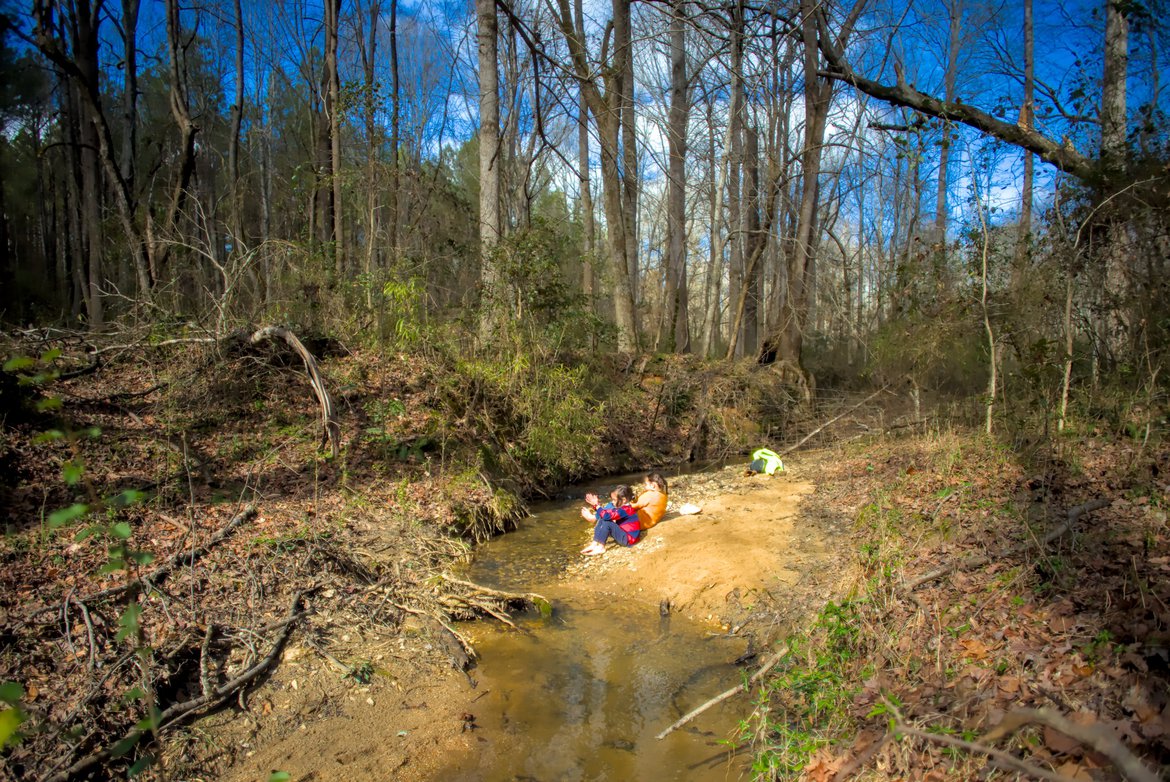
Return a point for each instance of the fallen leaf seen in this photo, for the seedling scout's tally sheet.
(1060, 743)
(1075, 771)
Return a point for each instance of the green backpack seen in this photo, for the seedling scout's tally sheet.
(766, 461)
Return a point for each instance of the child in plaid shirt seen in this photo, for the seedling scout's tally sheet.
(616, 519)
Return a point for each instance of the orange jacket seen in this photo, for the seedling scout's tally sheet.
(651, 507)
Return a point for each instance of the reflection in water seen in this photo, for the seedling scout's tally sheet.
(583, 694)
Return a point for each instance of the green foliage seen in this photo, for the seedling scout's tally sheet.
(536, 299)
(944, 351)
(541, 415)
(805, 700)
(12, 716)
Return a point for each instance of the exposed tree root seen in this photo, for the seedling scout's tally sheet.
(180, 711)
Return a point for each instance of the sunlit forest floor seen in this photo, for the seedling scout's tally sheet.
(174, 539)
(994, 589)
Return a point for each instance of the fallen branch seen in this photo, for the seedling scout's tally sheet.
(830, 422)
(683, 720)
(999, 757)
(331, 429)
(1096, 737)
(982, 559)
(180, 711)
(163, 343)
(188, 557)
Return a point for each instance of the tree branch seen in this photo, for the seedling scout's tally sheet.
(1061, 155)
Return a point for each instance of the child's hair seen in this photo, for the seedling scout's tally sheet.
(657, 480)
(625, 495)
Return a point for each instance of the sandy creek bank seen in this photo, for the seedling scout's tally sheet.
(756, 559)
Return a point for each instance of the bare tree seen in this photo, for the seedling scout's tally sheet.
(333, 114)
(605, 104)
(487, 35)
(676, 278)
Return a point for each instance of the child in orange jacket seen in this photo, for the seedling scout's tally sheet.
(651, 503)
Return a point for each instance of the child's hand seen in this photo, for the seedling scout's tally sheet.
(591, 499)
(588, 515)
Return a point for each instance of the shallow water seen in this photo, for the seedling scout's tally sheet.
(582, 694)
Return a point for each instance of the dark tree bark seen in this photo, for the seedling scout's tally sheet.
(735, 161)
(333, 112)
(588, 277)
(395, 97)
(237, 117)
(623, 64)
(944, 155)
(753, 241)
(676, 288)
(130, 90)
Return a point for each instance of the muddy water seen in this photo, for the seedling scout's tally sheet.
(582, 694)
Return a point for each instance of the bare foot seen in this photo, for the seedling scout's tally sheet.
(593, 549)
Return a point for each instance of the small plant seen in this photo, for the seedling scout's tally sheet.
(105, 523)
(814, 687)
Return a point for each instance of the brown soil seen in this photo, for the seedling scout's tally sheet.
(747, 563)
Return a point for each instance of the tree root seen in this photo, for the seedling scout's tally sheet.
(180, 711)
(331, 429)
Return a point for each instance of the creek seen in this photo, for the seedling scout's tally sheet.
(581, 695)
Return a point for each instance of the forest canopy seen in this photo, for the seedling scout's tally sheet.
(841, 188)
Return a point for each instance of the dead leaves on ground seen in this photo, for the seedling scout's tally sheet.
(1082, 627)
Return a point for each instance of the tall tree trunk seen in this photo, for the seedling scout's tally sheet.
(623, 64)
(817, 93)
(676, 219)
(130, 90)
(333, 112)
(606, 109)
(237, 119)
(588, 278)
(753, 241)
(161, 241)
(1027, 118)
(77, 58)
(91, 225)
(74, 250)
(369, 53)
(489, 157)
(735, 161)
(955, 10)
(396, 93)
(1113, 94)
(712, 319)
